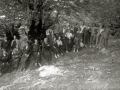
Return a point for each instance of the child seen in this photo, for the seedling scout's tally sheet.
(76, 44)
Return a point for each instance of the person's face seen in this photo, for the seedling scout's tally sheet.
(14, 37)
(59, 38)
(36, 41)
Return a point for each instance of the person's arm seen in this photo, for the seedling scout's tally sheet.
(11, 43)
(39, 50)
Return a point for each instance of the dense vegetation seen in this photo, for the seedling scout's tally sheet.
(39, 15)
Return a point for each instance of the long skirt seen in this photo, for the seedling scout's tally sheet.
(15, 63)
(23, 61)
(68, 44)
(101, 42)
(77, 45)
(64, 44)
(87, 38)
(34, 59)
(47, 56)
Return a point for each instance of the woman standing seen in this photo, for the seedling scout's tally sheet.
(16, 55)
(35, 53)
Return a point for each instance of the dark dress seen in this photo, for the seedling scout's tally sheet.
(87, 35)
(50, 40)
(75, 31)
(5, 64)
(76, 43)
(47, 53)
(79, 36)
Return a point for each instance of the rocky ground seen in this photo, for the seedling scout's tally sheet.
(90, 69)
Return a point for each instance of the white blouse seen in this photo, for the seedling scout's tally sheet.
(59, 42)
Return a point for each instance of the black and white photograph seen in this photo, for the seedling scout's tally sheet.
(59, 44)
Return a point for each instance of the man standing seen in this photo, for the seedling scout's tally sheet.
(106, 36)
(35, 53)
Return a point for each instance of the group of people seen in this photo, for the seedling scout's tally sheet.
(13, 58)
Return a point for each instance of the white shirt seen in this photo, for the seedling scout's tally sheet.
(59, 42)
(68, 35)
(82, 28)
(101, 30)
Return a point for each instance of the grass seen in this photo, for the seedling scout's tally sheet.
(90, 69)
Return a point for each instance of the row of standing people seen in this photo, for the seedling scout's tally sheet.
(74, 38)
(69, 39)
(15, 58)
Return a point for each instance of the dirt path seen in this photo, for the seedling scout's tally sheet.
(90, 69)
